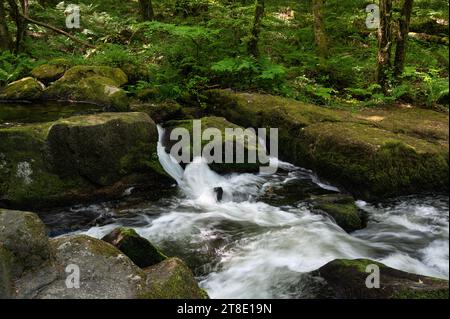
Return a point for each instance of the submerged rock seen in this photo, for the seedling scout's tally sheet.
(51, 71)
(77, 159)
(220, 141)
(91, 84)
(138, 249)
(26, 89)
(342, 209)
(395, 152)
(347, 278)
(23, 235)
(172, 279)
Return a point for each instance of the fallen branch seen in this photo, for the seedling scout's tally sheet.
(42, 24)
(428, 38)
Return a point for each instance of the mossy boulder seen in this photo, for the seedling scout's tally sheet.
(221, 141)
(160, 112)
(77, 159)
(374, 155)
(26, 89)
(23, 235)
(5, 273)
(347, 278)
(138, 249)
(92, 84)
(104, 273)
(51, 71)
(342, 209)
(172, 279)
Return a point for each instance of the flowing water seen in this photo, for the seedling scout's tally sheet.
(263, 237)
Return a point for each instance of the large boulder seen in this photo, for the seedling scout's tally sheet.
(77, 159)
(220, 141)
(372, 154)
(104, 273)
(51, 71)
(138, 249)
(26, 89)
(160, 112)
(172, 279)
(92, 84)
(23, 235)
(347, 279)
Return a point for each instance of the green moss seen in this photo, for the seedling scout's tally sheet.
(52, 70)
(26, 89)
(5, 273)
(346, 215)
(172, 279)
(358, 264)
(77, 73)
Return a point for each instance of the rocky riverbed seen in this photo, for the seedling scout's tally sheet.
(88, 169)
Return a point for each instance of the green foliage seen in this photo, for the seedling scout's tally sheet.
(14, 67)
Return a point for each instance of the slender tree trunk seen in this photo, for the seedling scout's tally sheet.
(319, 29)
(384, 44)
(5, 36)
(253, 48)
(146, 9)
(402, 38)
(16, 12)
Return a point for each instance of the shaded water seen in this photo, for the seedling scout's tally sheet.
(263, 237)
(13, 114)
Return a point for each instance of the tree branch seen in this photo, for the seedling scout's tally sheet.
(42, 24)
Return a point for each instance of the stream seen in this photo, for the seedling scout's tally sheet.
(263, 238)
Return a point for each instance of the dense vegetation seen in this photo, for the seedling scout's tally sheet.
(315, 51)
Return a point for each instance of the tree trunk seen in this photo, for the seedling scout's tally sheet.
(319, 29)
(5, 37)
(253, 49)
(384, 44)
(21, 24)
(146, 9)
(402, 38)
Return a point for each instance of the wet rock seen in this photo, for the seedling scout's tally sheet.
(77, 159)
(220, 140)
(347, 278)
(138, 249)
(23, 235)
(26, 89)
(172, 279)
(342, 209)
(92, 84)
(389, 153)
(51, 71)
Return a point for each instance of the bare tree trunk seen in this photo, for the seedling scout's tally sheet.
(252, 48)
(16, 15)
(402, 38)
(5, 36)
(319, 29)
(146, 9)
(384, 44)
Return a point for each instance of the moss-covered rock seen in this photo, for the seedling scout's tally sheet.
(138, 249)
(51, 71)
(77, 159)
(372, 155)
(23, 235)
(240, 141)
(104, 273)
(342, 209)
(92, 84)
(347, 278)
(5, 273)
(160, 112)
(26, 89)
(172, 279)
